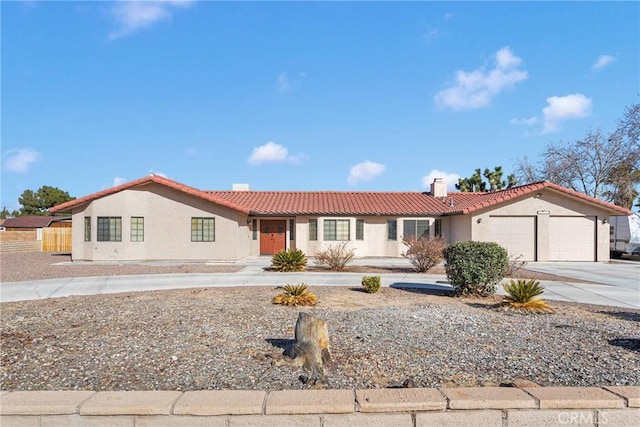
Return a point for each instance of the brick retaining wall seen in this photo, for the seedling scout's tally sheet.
(410, 407)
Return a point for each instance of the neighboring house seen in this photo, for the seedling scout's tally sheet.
(155, 218)
(36, 233)
(35, 222)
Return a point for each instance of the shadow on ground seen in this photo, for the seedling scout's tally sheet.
(280, 342)
(624, 315)
(632, 344)
(424, 289)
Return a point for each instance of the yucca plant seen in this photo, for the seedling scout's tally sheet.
(522, 296)
(289, 260)
(295, 295)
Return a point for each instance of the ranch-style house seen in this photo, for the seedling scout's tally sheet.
(155, 218)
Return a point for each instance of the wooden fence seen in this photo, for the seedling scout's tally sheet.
(56, 239)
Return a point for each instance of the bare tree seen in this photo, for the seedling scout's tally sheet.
(599, 165)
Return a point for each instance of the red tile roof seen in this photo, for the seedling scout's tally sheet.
(67, 206)
(349, 202)
(485, 200)
(31, 221)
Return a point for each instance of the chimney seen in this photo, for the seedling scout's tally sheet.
(439, 188)
(241, 187)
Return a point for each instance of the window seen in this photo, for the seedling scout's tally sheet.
(392, 229)
(336, 229)
(254, 227)
(87, 228)
(109, 229)
(137, 229)
(416, 228)
(313, 229)
(438, 228)
(203, 230)
(359, 229)
(291, 230)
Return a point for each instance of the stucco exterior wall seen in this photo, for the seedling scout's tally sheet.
(457, 228)
(375, 243)
(167, 228)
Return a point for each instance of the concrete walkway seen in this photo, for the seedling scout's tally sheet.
(254, 274)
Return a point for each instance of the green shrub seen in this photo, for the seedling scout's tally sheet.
(289, 260)
(371, 284)
(295, 295)
(475, 267)
(335, 257)
(521, 295)
(424, 252)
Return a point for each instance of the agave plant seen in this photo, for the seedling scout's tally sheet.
(295, 295)
(289, 260)
(521, 295)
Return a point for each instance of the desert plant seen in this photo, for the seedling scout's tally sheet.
(289, 260)
(371, 284)
(515, 263)
(424, 252)
(475, 267)
(335, 257)
(521, 295)
(295, 295)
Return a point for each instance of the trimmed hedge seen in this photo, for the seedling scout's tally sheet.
(475, 267)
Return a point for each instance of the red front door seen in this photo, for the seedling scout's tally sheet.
(272, 236)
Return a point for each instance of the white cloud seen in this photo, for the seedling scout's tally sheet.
(274, 153)
(365, 171)
(118, 180)
(602, 61)
(451, 179)
(268, 153)
(132, 16)
(285, 84)
(162, 174)
(562, 108)
(20, 160)
(431, 34)
(297, 159)
(477, 88)
(525, 122)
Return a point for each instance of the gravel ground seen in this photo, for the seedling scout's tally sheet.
(227, 338)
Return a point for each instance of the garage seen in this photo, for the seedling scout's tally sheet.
(572, 238)
(517, 234)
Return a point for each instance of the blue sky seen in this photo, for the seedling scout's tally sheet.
(362, 96)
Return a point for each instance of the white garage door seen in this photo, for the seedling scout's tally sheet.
(517, 234)
(572, 238)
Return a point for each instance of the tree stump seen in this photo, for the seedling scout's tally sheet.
(311, 347)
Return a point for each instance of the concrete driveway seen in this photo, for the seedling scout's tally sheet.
(624, 274)
(617, 280)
